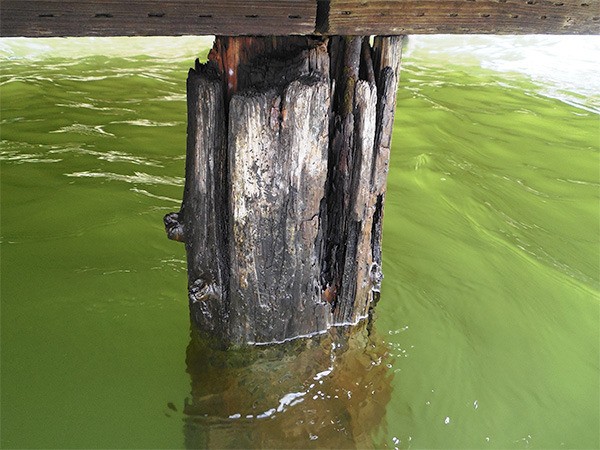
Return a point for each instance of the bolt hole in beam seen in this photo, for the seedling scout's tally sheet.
(103, 16)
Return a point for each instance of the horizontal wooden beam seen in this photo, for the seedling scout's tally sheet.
(464, 17)
(46, 18)
(39, 18)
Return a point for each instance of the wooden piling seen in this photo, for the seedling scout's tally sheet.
(288, 147)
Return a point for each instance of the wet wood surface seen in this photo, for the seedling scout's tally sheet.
(278, 166)
(287, 157)
(45, 18)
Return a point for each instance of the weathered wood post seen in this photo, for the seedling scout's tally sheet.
(287, 157)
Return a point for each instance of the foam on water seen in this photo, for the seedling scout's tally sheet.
(565, 67)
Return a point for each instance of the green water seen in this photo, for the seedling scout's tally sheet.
(488, 330)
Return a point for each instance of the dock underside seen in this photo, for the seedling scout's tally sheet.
(51, 18)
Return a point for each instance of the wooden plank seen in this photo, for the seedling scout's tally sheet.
(381, 17)
(47, 18)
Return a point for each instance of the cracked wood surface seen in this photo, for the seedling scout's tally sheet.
(287, 157)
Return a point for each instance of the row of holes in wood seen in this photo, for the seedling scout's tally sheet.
(291, 16)
(159, 15)
(484, 15)
(344, 13)
(529, 2)
(422, 14)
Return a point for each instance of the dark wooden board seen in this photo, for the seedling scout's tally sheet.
(46, 18)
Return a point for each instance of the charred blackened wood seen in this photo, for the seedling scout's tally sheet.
(288, 147)
(359, 158)
(203, 220)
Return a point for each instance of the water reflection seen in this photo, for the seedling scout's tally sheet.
(328, 391)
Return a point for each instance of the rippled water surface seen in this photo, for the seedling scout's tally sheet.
(487, 332)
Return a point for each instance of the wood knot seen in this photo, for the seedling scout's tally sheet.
(174, 227)
(202, 291)
(376, 276)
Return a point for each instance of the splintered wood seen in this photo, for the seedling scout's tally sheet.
(288, 149)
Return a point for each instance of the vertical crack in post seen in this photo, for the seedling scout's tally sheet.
(283, 205)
